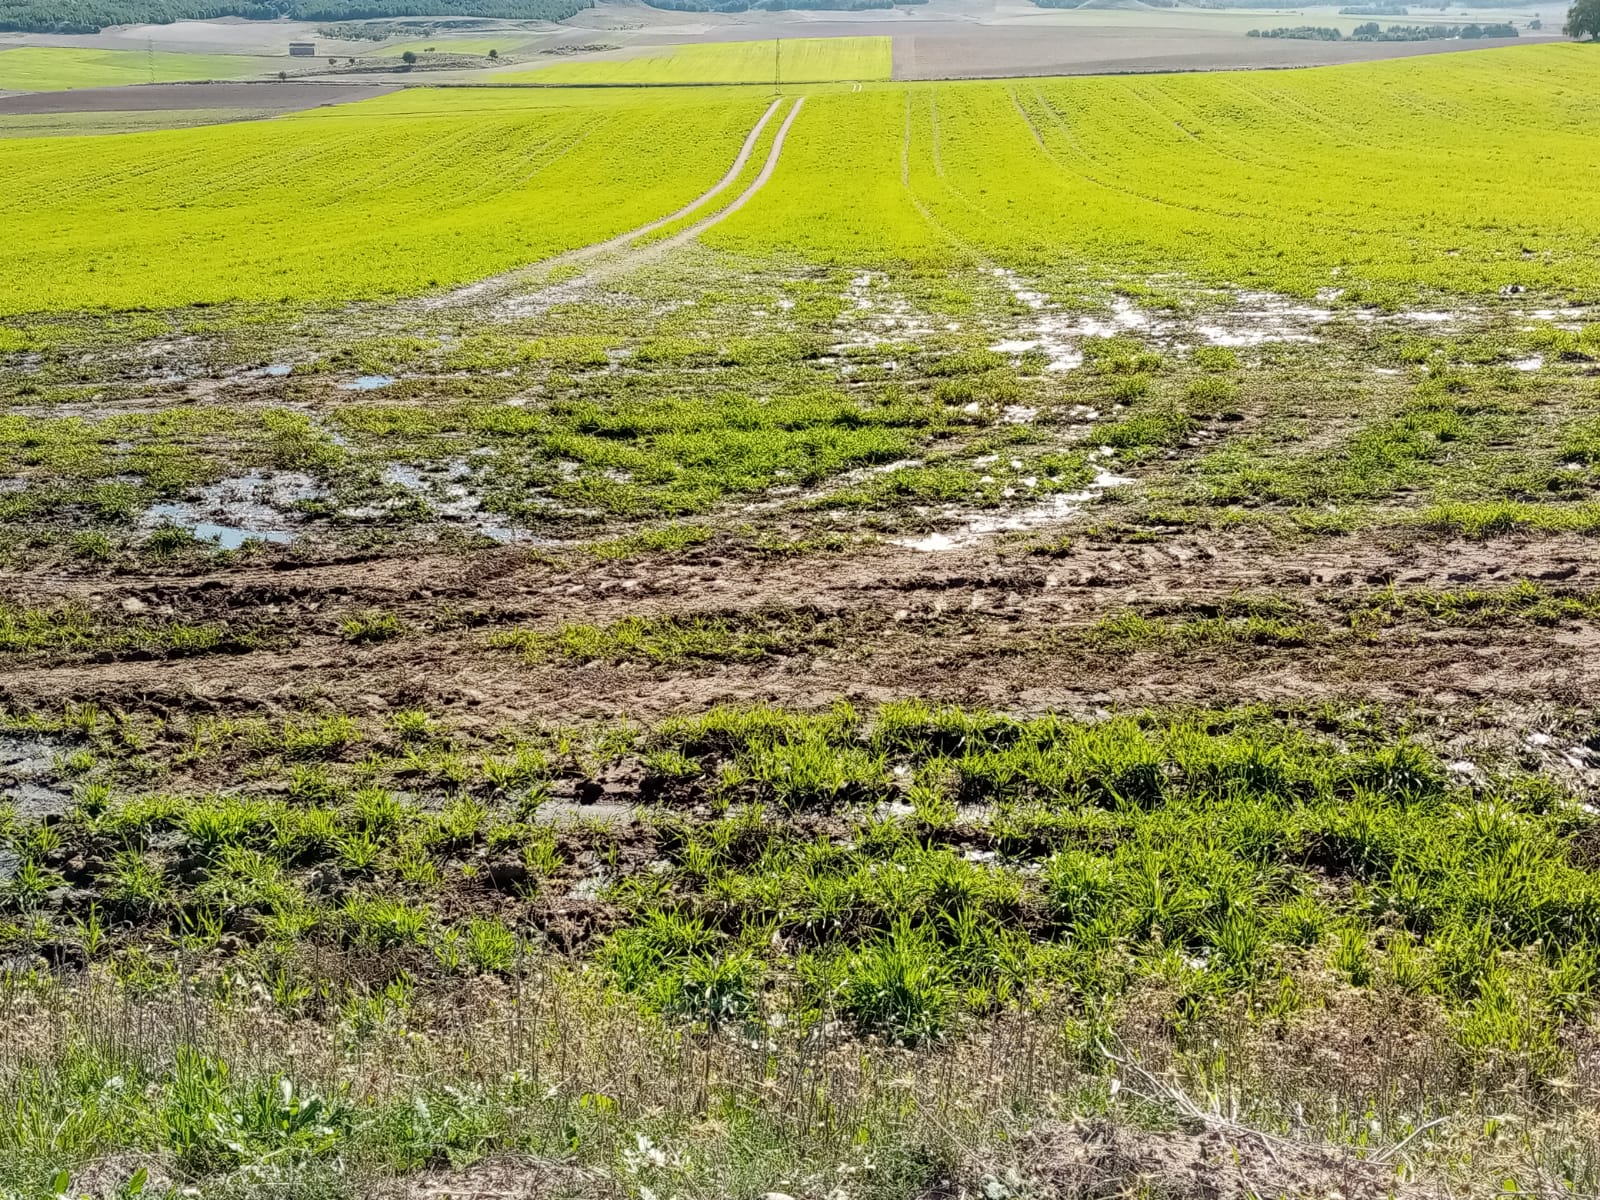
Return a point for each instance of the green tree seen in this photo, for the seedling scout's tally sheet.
(409, 57)
(1583, 19)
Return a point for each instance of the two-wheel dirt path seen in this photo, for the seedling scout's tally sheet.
(504, 288)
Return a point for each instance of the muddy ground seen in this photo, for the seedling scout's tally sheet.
(970, 626)
(341, 563)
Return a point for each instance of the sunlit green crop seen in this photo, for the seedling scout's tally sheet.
(789, 60)
(418, 190)
(1469, 173)
(1461, 171)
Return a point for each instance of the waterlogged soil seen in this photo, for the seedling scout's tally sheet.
(31, 781)
(1001, 629)
(362, 556)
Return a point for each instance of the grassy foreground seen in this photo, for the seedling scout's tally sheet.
(389, 947)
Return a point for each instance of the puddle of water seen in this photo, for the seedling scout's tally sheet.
(28, 776)
(450, 498)
(874, 319)
(567, 812)
(228, 537)
(1243, 336)
(1048, 511)
(589, 887)
(403, 475)
(234, 511)
(367, 383)
(1528, 364)
(277, 370)
(1250, 319)
(1557, 314)
(1261, 317)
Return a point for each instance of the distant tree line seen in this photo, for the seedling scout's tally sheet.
(90, 16)
(1301, 33)
(1375, 10)
(1583, 20)
(1372, 32)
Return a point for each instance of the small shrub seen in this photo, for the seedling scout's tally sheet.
(897, 987)
(91, 545)
(370, 626)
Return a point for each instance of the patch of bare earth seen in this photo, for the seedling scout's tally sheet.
(977, 625)
(265, 97)
(499, 1178)
(1099, 1158)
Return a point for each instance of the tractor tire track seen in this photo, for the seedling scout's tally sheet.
(498, 284)
(523, 306)
(744, 197)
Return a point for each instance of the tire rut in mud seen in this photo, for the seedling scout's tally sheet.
(500, 287)
(1008, 631)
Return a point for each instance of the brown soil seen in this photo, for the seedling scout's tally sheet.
(496, 1179)
(1111, 50)
(1089, 1159)
(264, 97)
(975, 626)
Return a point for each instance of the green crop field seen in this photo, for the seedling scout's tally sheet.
(55, 68)
(1342, 176)
(1030, 639)
(1457, 171)
(416, 190)
(791, 60)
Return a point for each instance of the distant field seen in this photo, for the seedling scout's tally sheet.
(799, 60)
(56, 68)
(59, 124)
(479, 46)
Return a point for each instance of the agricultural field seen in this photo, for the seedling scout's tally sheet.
(1040, 174)
(786, 60)
(59, 124)
(366, 222)
(479, 47)
(1006, 639)
(56, 68)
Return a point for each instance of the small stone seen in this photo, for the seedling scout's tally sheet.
(134, 605)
